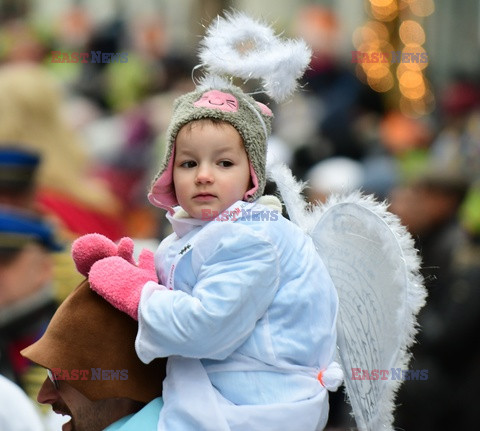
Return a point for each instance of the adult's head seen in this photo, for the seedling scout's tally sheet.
(431, 200)
(95, 374)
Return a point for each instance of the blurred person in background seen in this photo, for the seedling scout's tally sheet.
(33, 275)
(19, 167)
(31, 113)
(457, 143)
(430, 207)
(27, 300)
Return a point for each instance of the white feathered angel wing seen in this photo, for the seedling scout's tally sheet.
(375, 269)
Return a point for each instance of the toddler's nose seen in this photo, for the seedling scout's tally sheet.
(204, 175)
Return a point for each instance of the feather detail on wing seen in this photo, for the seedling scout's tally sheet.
(291, 193)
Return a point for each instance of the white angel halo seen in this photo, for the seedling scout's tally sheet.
(237, 45)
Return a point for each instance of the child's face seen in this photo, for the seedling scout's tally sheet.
(211, 169)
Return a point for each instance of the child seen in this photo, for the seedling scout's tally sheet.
(243, 305)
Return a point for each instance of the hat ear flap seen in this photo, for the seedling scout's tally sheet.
(162, 193)
(249, 193)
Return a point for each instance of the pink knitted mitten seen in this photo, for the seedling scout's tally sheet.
(120, 282)
(89, 248)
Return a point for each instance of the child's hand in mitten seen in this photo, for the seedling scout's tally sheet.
(120, 282)
(92, 247)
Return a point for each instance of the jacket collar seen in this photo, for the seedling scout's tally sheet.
(182, 223)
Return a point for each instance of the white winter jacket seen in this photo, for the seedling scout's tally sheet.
(246, 313)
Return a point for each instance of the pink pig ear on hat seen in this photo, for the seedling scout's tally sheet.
(235, 46)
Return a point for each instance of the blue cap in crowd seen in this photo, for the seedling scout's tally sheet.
(17, 165)
(19, 228)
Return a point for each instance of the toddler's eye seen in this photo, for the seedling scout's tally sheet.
(189, 164)
(225, 163)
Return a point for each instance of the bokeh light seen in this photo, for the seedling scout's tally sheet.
(382, 3)
(418, 57)
(386, 12)
(395, 33)
(411, 32)
(422, 8)
(383, 84)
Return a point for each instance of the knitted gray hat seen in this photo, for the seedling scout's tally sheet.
(250, 118)
(235, 46)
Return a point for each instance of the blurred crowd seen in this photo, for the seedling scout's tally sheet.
(80, 142)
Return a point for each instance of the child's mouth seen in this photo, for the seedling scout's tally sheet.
(204, 197)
